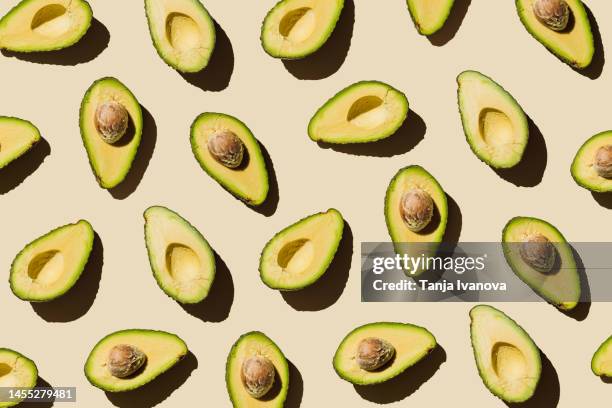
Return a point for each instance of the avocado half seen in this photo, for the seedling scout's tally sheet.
(250, 345)
(561, 285)
(110, 162)
(16, 371)
(411, 344)
(429, 16)
(300, 254)
(50, 266)
(495, 125)
(294, 29)
(574, 45)
(601, 364)
(183, 33)
(249, 181)
(44, 25)
(363, 112)
(507, 359)
(162, 350)
(17, 137)
(183, 263)
(582, 169)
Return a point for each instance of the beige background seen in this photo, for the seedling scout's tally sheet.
(567, 107)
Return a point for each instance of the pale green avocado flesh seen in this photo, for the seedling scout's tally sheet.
(429, 16)
(183, 263)
(294, 29)
(256, 344)
(183, 33)
(507, 359)
(601, 364)
(410, 343)
(495, 126)
(49, 266)
(363, 112)
(560, 285)
(584, 167)
(300, 254)
(16, 371)
(17, 137)
(162, 351)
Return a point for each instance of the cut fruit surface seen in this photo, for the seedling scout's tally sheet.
(429, 15)
(601, 364)
(17, 137)
(585, 165)
(16, 371)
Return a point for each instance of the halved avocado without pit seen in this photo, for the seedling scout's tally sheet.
(44, 25)
(51, 265)
(183, 33)
(17, 137)
(601, 364)
(429, 16)
(183, 263)
(256, 373)
(146, 353)
(300, 254)
(403, 345)
(294, 29)
(245, 176)
(16, 371)
(110, 161)
(592, 166)
(507, 359)
(574, 44)
(363, 112)
(495, 125)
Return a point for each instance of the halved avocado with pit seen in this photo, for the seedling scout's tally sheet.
(249, 179)
(16, 371)
(560, 283)
(249, 345)
(183, 263)
(49, 266)
(300, 254)
(601, 364)
(17, 137)
(294, 29)
(592, 166)
(507, 359)
(363, 112)
(44, 25)
(429, 16)
(183, 33)
(110, 162)
(574, 45)
(161, 352)
(495, 125)
(410, 344)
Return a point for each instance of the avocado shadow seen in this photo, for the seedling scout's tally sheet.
(452, 24)
(405, 384)
(40, 383)
(269, 206)
(217, 305)
(581, 311)
(92, 44)
(530, 170)
(296, 387)
(217, 74)
(141, 160)
(548, 390)
(603, 199)
(595, 68)
(328, 289)
(79, 299)
(406, 138)
(607, 380)
(454, 223)
(21, 168)
(155, 392)
(329, 58)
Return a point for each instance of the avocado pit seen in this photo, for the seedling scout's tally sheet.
(125, 360)
(226, 148)
(111, 120)
(257, 375)
(554, 14)
(416, 208)
(373, 353)
(538, 252)
(603, 161)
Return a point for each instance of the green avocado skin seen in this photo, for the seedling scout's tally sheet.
(576, 164)
(31, 367)
(441, 21)
(27, 147)
(605, 348)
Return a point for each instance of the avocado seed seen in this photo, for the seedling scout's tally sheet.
(111, 120)
(257, 376)
(124, 360)
(538, 252)
(416, 208)
(603, 161)
(226, 148)
(373, 353)
(554, 14)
